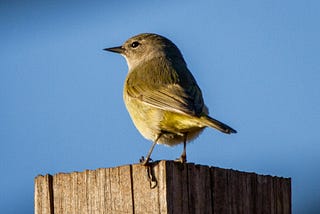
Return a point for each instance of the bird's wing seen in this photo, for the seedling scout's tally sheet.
(171, 97)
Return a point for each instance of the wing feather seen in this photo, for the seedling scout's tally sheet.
(174, 90)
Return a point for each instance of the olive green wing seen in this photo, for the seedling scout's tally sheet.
(173, 92)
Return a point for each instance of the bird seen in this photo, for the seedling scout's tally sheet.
(161, 95)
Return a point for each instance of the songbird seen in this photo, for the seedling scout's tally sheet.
(161, 95)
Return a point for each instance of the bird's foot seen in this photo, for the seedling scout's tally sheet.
(145, 162)
(182, 159)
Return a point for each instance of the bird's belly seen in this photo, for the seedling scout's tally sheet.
(145, 118)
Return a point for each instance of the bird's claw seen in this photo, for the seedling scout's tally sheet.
(182, 159)
(145, 162)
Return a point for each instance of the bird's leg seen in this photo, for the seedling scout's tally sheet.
(145, 162)
(183, 157)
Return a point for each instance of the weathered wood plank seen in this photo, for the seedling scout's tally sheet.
(176, 183)
(199, 189)
(119, 190)
(146, 199)
(43, 200)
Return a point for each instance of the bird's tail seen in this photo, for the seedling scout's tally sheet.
(209, 121)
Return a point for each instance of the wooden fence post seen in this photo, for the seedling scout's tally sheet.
(165, 187)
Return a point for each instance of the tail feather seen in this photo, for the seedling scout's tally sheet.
(209, 121)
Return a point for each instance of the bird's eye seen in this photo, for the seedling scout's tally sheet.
(135, 44)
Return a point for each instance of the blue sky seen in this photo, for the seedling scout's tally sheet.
(61, 110)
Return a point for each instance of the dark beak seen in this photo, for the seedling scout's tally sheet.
(118, 49)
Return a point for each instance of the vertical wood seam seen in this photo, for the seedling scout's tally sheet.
(211, 173)
(254, 191)
(110, 188)
(131, 187)
(188, 189)
(51, 194)
(157, 166)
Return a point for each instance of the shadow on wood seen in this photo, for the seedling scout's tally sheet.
(166, 187)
